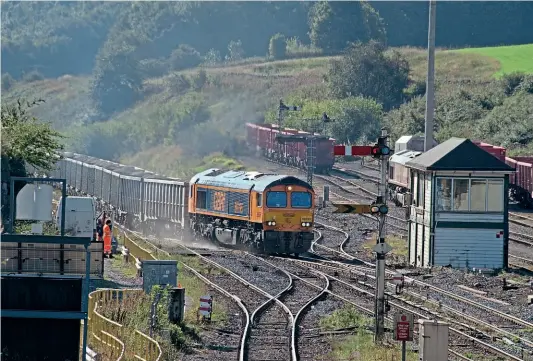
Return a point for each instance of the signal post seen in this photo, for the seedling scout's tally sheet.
(378, 208)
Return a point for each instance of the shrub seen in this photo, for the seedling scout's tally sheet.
(7, 82)
(526, 85)
(184, 57)
(277, 48)
(212, 57)
(152, 68)
(365, 70)
(235, 51)
(511, 81)
(295, 49)
(32, 76)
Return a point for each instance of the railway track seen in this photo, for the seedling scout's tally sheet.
(273, 320)
(521, 219)
(449, 313)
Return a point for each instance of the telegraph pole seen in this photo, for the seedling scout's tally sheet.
(430, 84)
(381, 248)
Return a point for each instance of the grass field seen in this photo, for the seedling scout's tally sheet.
(516, 58)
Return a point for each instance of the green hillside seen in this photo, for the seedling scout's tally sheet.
(191, 119)
(517, 58)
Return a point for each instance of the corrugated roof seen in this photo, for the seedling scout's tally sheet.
(458, 154)
(243, 180)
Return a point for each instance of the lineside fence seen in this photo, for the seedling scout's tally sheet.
(110, 335)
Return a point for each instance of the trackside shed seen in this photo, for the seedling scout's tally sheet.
(459, 211)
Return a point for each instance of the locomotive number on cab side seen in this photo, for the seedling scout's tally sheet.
(238, 207)
(220, 201)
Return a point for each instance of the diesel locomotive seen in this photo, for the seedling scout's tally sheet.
(268, 213)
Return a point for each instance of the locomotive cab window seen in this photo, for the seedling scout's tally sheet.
(201, 199)
(276, 200)
(301, 200)
(259, 200)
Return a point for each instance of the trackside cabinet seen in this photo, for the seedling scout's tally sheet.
(159, 272)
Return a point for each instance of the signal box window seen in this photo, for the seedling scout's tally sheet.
(259, 200)
(495, 195)
(301, 200)
(201, 199)
(276, 200)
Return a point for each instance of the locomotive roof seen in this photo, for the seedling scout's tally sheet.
(404, 156)
(458, 154)
(244, 180)
(122, 169)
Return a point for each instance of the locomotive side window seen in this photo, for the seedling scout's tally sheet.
(301, 200)
(276, 200)
(259, 200)
(201, 199)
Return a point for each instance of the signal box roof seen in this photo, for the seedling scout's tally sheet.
(458, 154)
(244, 180)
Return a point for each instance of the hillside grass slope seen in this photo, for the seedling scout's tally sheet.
(517, 58)
(195, 118)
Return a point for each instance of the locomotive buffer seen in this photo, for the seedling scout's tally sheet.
(378, 208)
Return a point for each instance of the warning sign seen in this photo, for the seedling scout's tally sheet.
(403, 326)
(206, 306)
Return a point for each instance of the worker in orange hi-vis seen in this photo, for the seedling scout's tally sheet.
(107, 237)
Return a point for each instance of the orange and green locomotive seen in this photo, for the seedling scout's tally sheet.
(270, 213)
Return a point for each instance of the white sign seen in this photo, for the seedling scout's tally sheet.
(206, 306)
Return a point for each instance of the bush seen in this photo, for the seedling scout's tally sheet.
(184, 57)
(277, 48)
(365, 70)
(357, 119)
(199, 80)
(511, 81)
(179, 83)
(235, 51)
(152, 68)
(212, 57)
(417, 88)
(7, 82)
(526, 85)
(32, 76)
(295, 49)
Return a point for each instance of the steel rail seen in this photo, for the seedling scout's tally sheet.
(298, 316)
(504, 315)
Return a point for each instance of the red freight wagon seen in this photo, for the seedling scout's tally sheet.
(498, 152)
(262, 139)
(521, 182)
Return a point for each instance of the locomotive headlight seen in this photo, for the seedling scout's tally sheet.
(306, 224)
(271, 223)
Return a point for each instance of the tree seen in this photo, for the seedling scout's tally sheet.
(235, 51)
(333, 25)
(26, 139)
(366, 70)
(117, 82)
(277, 47)
(185, 56)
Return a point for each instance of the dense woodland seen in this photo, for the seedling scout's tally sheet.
(62, 37)
(137, 88)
